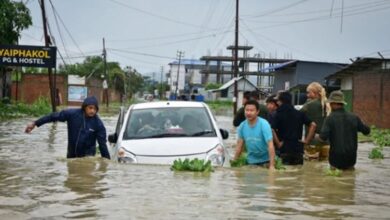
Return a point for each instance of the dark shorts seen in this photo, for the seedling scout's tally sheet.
(292, 159)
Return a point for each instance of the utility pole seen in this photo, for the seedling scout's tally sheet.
(179, 55)
(47, 44)
(161, 82)
(235, 61)
(105, 82)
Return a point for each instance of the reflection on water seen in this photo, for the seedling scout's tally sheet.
(38, 182)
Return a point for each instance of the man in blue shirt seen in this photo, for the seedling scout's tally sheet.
(256, 134)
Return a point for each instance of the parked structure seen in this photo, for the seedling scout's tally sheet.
(366, 85)
(295, 75)
(226, 91)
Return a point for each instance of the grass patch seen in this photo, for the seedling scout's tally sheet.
(40, 107)
(376, 153)
(219, 104)
(194, 165)
(380, 137)
(333, 172)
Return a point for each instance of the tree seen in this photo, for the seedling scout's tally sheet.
(14, 17)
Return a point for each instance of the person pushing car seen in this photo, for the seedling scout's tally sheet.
(84, 129)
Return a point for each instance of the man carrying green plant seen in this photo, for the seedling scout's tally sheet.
(256, 134)
(341, 128)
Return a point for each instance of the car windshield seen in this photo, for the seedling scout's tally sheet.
(169, 122)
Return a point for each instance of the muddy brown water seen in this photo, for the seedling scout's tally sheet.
(37, 182)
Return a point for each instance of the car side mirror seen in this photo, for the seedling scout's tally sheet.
(113, 138)
(224, 133)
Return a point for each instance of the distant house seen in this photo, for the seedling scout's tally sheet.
(366, 86)
(226, 91)
(189, 76)
(295, 75)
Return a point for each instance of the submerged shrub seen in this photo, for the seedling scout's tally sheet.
(333, 172)
(241, 161)
(376, 153)
(194, 165)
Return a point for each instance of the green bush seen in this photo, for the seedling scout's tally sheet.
(241, 161)
(16, 110)
(194, 165)
(381, 137)
(279, 164)
(333, 172)
(376, 153)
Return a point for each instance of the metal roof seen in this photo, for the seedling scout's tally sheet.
(358, 64)
(279, 66)
(196, 62)
(231, 82)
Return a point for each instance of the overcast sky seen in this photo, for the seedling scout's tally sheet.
(146, 34)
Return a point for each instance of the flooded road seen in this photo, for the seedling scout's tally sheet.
(37, 182)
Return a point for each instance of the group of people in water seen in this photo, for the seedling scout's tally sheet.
(276, 129)
(265, 131)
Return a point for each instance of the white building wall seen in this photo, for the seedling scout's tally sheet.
(174, 74)
(346, 83)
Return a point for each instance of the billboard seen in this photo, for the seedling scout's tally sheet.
(77, 93)
(34, 56)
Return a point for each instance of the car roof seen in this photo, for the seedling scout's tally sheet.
(167, 104)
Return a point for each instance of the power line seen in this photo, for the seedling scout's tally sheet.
(59, 29)
(322, 17)
(66, 29)
(154, 15)
(131, 58)
(326, 11)
(141, 54)
(280, 9)
(178, 41)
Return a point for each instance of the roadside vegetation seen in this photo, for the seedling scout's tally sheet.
(217, 105)
(381, 138)
(18, 109)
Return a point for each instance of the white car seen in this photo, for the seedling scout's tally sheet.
(161, 132)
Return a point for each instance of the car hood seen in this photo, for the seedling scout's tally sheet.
(170, 146)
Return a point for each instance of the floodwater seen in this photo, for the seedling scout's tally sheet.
(37, 182)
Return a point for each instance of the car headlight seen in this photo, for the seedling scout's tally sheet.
(125, 156)
(216, 156)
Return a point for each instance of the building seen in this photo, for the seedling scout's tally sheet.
(366, 85)
(71, 90)
(188, 77)
(295, 75)
(226, 91)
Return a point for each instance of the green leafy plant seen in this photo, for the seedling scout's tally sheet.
(279, 164)
(15, 110)
(333, 172)
(194, 165)
(376, 153)
(241, 161)
(381, 137)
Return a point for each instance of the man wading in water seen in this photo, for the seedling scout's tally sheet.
(84, 129)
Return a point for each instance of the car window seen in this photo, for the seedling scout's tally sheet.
(169, 122)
